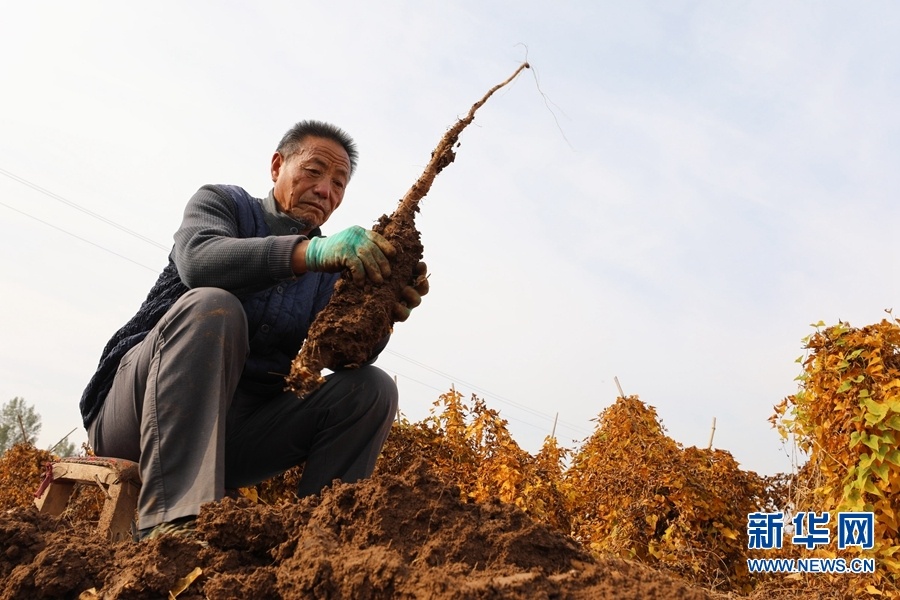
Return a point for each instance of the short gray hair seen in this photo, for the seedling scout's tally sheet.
(311, 128)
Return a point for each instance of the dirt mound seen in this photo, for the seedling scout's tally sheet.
(388, 537)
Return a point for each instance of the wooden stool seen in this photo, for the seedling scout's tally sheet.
(119, 479)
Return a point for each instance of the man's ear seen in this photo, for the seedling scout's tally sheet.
(277, 163)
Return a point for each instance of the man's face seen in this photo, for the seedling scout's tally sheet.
(310, 183)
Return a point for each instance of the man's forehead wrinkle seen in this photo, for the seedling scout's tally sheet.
(328, 158)
(317, 160)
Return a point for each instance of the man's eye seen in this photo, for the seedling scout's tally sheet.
(339, 184)
(313, 172)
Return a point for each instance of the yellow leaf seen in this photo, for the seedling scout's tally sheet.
(731, 534)
(250, 493)
(183, 583)
(871, 589)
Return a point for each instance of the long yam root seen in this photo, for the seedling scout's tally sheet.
(346, 332)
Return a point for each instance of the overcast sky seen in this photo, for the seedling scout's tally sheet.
(671, 196)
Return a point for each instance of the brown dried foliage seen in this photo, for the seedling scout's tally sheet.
(846, 416)
(22, 469)
(639, 494)
(469, 446)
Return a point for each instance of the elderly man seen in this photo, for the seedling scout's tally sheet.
(192, 386)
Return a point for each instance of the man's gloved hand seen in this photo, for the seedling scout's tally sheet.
(361, 250)
(412, 294)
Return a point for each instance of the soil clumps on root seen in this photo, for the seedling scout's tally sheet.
(391, 536)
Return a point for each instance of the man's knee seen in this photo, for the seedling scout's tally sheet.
(385, 390)
(375, 388)
(211, 300)
(214, 308)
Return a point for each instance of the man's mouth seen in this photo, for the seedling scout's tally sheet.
(303, 206)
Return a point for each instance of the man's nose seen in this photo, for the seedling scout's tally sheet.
(323, 188)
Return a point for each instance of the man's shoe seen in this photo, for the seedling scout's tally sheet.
(184, 527)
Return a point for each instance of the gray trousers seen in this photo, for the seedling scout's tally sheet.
(175, 407)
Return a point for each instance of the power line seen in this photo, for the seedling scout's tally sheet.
(78, 237)
(78, 207)
(509, 418)
(485, 392)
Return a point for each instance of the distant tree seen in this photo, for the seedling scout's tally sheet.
(64, 447)
(18, 423)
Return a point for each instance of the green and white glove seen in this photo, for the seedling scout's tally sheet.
(362, 251)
